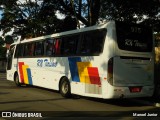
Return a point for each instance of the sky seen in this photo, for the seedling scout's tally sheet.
(0, 18)
(1, 14)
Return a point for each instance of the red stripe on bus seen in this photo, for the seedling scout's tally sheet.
(21, 71)
(94, 75)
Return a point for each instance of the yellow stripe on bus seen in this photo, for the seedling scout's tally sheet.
(25, 74)
(83, 72)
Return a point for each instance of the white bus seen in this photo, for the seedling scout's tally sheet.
(111, 60)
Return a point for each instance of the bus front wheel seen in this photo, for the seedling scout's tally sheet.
(16, 80)
(65, 89)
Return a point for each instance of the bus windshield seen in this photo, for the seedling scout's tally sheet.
(134, 37)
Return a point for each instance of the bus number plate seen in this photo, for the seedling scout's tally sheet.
(135, 89)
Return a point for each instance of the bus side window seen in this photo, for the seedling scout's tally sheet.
(19, 50)
(28, 49)
(85, 43)
(31, 49)
(49, 47)
(69, 45)
(92, 42)
(98, 41)
(57, 46)
(38, 48)
(25, 50)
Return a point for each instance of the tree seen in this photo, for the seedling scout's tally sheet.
(1, 41)
(69, 23)
(90, 11)
(87, 11)
(38, 17)
(3, 52)
(142, 11)
(2, 49)
(9, 39)
(34, 17)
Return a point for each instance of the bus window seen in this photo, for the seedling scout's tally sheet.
(133, 37)
(57, 47)
(28, 49)
(38, 48)
(49, 46)
(86, 44)
(69, 45)
(92, 42)
(19, 50)
(98, 41)
(31, 49)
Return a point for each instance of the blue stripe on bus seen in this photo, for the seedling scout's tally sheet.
(73, 68)
(29, 76)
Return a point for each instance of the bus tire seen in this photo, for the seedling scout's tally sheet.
(16, 80)
(64, 88)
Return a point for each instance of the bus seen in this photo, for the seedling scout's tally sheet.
(110, 60)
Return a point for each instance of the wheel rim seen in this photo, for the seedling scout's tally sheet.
(65, 87)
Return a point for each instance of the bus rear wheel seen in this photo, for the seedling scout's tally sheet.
(64, 88)
(16, 80)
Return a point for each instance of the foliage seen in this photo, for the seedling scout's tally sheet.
(141, 11)
(87, 11)
(34, 17)
(38, 17)
(3, 52)
(9, 39)
(1, 41)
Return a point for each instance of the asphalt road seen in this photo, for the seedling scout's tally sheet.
(51, 104)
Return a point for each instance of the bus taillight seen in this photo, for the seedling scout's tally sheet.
(110, 71)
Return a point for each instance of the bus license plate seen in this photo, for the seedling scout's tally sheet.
(135, 89)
